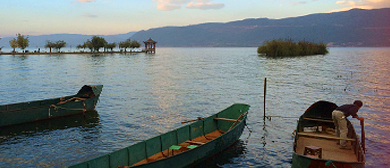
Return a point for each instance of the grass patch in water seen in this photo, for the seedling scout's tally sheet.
(288, 48)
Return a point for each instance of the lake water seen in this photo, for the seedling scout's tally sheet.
(145, 95)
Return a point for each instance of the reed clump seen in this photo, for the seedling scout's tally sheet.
(288, 48)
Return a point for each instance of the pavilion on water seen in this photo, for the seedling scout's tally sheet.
(150, 46)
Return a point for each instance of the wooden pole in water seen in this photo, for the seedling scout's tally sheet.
(265, 93)
(363, 136)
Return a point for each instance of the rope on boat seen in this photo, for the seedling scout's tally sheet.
(64, 108)
(66, 101)
(62, 101)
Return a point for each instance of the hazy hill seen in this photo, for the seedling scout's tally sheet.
(356, 27)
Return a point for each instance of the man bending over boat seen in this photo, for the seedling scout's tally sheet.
(339, 116)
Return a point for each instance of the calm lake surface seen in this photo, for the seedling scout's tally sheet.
(145, 95)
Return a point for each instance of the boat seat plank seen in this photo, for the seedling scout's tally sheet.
(194, 142)
(325, 136)
(320, 120)
(227, 119)
(330, 150)
(197, 141)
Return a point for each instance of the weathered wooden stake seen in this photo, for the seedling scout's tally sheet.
(265, 93)
(363, 136)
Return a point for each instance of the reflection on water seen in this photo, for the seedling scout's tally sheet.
(233, 154)
(87, 120)
(146, 95)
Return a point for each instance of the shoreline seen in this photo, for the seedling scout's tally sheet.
(65, 52)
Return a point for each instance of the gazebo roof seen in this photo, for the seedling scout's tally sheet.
(150, 41)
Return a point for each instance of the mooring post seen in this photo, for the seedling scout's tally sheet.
(265, 93)
(363, 136)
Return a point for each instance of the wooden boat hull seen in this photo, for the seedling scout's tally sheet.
(320, 114)
(135, 153)
(25, 112)
(299, 161)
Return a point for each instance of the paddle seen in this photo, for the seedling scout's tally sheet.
(199, 118)
(239, 117)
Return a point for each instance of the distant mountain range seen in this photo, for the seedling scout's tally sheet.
(356, 27)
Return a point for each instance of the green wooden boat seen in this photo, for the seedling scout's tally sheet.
(85, 100)
(182, 147)
(315, 143)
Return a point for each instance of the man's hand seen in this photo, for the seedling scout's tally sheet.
(360, 118)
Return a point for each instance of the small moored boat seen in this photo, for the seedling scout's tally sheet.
(316, 145)
(85, 100)
(182, 147)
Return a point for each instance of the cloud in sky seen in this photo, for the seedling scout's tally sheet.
(169, 5)
(84, 1)
(205, 5)
(90, 15)
(363, 4)
(298, 3)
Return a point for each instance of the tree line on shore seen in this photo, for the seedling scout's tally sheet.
(94, 44)
(288, 48)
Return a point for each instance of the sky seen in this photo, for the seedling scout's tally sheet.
(109, 17)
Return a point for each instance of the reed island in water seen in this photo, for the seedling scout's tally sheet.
(288, 48)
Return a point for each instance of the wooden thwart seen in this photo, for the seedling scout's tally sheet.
(186, 145)
(194, 142)
(325, 136)
(320, 120)
(242, 115)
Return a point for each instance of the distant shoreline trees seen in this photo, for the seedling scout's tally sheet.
(94, 44)
(57, 45)
(20, 41)
(129, 44)
(288, 48)
(99, 42)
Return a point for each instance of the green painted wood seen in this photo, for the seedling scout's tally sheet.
(168, 138)
(192, 146)
(101, 161)
(183, 134)
(119, 157)
(196, 129)
(210, 125)
(174, 147)
(153, 146)
(137, 152)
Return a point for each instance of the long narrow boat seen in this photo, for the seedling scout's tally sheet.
(85, 100)
(316, 145)
(182, 147)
